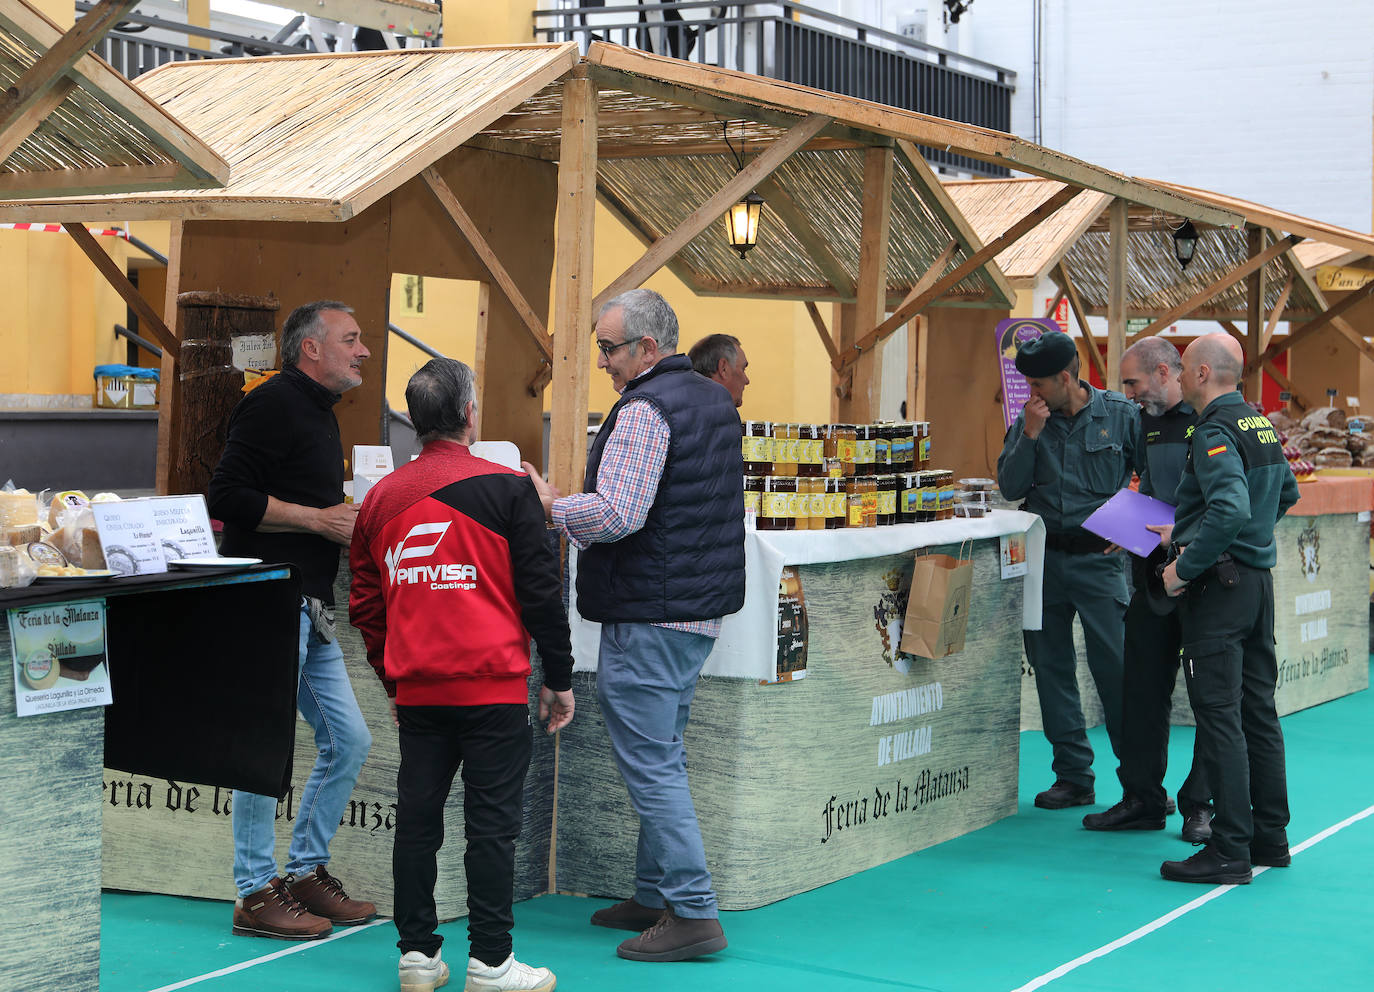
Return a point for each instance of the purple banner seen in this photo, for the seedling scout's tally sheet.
(1012, 333)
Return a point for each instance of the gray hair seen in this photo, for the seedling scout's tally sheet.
(1153, 352)
(645, 314)
(437, 397)
(707, 353)
(304, 322)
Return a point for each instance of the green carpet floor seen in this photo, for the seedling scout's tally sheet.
(995, 911)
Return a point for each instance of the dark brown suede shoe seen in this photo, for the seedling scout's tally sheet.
(674, 938)
(323, 894)
(627, 915)
(273, 912)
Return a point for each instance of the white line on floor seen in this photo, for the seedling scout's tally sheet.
(304, 945)
(1169, 917)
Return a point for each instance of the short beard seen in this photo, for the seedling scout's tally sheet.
(1154, 407)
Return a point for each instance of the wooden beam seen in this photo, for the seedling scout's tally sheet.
(1234, 331)
(661, 149)
(1286, 384)
(1054, 303)
(622, 213)
(922, 284)
(467, 227)
(120, 282)
(1067, 288)
(971, 264)
(1117, 269)
(1312, 326)
(1195, 301)
(1339, 323)
(817, 248)
(713, 209)
(1276, 314)
(572, 308)
(48, 73)
(917, 350)
(169, 385)
(866, 394)
(1254, 314)
(18, 127)
(552, 120)
(942, 205)
(821, 329)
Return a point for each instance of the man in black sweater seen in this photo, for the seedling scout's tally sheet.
(279, 491)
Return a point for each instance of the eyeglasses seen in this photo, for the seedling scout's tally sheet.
(608, 348)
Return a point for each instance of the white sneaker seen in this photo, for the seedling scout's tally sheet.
(508, 976)
(422, 974)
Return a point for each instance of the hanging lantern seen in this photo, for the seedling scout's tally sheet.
(742, 223)
(1185, 243)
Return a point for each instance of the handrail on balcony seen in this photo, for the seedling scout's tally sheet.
(799, 44)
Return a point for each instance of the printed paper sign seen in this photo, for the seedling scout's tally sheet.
(1014, 556)
(60, 660)
(254, 351)
(182, 526)
(1012, 333)
(140, 536)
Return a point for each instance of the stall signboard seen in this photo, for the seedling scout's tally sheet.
(1012, 333)
(140, 536)
(60, 659)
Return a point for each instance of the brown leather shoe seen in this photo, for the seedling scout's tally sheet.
(323, 894)
(674, 938)
(273, 912)
(627, 915)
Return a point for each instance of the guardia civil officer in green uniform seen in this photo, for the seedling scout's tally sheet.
(1070, 450)
(1149, 378)
(1236, 485)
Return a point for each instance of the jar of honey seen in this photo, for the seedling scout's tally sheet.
(775, 505)
(757, 447)
(886, 513)
(909, 498)
(836, 507)
(864, 449)
(810, 447)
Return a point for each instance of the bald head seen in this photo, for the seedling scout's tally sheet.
(1212, 366)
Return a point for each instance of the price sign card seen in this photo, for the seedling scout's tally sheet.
(60, 659)
(140, 536)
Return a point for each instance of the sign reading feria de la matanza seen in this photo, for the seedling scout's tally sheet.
(60, 661)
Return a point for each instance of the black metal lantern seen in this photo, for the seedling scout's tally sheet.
(1185, 243)
(742, 223)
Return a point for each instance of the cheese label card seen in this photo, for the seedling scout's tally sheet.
(60, 658)
(140, 536)
(182, 527)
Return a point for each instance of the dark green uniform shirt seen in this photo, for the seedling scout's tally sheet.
(1165, 441)
(1235, 487)
(1076, 464)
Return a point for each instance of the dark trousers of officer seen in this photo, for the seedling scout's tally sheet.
(1228, 661)
(1093, 586)
(1149, 673)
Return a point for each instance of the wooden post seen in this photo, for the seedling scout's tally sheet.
(1254, 314)
(573, 291)
(872, 302)
(211, 385)
(844, 326)
(169, 419)
(1116, 291)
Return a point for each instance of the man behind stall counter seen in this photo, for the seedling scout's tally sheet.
(278, 489)
(720, 358)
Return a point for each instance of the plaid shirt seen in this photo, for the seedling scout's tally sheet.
(632, 462)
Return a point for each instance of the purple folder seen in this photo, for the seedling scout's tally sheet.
(1122, 521)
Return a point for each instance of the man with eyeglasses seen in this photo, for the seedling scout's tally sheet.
(660, 533)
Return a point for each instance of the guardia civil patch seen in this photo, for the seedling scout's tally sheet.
(1213, 452)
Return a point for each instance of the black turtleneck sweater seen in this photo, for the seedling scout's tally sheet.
(283, 441)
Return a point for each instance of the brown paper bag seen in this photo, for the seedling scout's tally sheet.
(937, 612)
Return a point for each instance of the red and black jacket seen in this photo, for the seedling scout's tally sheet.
(452, 574)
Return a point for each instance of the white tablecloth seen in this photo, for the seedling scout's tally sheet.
(747, 646)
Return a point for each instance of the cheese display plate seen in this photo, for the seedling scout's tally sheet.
(209, 564)
(91, 575)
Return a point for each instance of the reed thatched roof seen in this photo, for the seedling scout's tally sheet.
(322, 137)
(103, 136)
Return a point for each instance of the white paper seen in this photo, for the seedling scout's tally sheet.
(254, 351)
(139, 536)
(501, 452)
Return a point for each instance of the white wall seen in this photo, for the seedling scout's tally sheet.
(1268, 100)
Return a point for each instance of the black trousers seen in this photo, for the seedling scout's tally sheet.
(1228, 659)
(1149, 673)
(492, 745)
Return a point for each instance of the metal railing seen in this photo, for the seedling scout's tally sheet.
(800, 44)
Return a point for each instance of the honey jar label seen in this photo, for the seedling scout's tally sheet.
(752, 502)
(887, 502)
(775, 505)
(758, 449)
(846, 448)
(856, 510)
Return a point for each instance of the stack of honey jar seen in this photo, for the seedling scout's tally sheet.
(824, 476)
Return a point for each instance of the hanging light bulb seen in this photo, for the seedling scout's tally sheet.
(742, 223)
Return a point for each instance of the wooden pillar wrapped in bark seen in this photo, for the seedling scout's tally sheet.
(221, 335)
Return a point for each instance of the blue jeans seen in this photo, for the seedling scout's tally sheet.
(325, 698)
(646, 677)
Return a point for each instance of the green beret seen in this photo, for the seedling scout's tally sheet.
(1047, 355)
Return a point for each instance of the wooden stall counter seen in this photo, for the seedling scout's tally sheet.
(175, 677)
(872, 755)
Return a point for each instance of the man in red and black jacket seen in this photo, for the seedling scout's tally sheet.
(452, 574)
